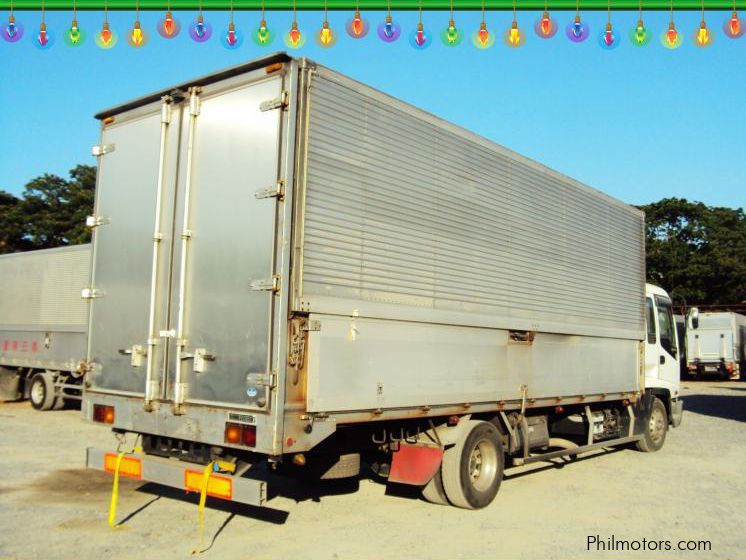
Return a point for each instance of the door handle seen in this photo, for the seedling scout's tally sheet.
(663, 360)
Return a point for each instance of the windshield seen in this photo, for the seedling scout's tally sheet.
(666, 325)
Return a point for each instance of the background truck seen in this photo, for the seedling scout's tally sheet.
(716, 343)
(43, 325)
(327, 275)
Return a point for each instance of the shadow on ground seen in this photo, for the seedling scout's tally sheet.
(728, 407)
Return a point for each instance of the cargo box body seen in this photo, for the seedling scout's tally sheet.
(283, 246)
(717, 344)
(43, 319)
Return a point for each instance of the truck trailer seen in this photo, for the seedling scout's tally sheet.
(293, 271)
(43, 325)
(716, 343)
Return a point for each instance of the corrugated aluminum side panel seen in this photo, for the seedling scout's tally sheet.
(406, 210)
(41, 289)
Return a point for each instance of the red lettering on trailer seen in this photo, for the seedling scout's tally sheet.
(35, 346)
(6, 345)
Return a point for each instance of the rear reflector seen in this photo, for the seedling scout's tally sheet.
(217, 486)
(130, 467)
(103, 413)
(241, 434)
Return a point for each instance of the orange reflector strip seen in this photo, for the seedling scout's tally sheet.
(130, 467)
(217, 486)
(273, 67)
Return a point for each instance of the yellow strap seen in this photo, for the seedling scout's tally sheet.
(115, 492)
(202, 500)
(115, 487)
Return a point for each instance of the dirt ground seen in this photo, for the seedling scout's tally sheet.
(694, 489)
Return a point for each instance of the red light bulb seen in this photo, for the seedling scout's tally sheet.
(420, 36)
(231, 38)
(43, 38)
(357, 24)
(105, 35)
(169, 25)
(546, 24)
(734, 24)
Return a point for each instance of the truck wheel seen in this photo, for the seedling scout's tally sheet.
(473, 468)
(434, 492)
(41, 393)
(656, 428)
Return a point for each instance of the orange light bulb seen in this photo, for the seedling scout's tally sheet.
(294, 34)
(514, 35)
(734, 24)
(671, 34)
(357, 24)
(136, 34)
(169, 25)
(483, 35)
(703, 34)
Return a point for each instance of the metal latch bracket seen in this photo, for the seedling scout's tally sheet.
(102, 149)
(271, 285)
(276, 191)
(91, 293)
(277, 103)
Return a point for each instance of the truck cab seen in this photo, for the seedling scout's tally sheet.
(662, 351)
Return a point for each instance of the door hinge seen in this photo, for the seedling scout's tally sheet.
(271, 285)
(95, 221)
(136, 354)
(91, 293)
(276, 103)
(313, 325)
(101, 149)
(262, 379)
(277, 191)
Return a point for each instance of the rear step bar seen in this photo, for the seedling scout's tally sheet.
(179, 474)
(518, 461)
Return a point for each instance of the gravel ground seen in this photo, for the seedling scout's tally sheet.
(694, 489)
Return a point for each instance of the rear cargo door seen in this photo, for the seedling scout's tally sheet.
(225, 277)
(137, 157)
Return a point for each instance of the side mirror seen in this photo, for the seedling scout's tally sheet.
(693, 318)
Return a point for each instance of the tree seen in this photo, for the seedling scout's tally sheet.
(51, 212)
(696, 252)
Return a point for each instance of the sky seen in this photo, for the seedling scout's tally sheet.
(640, 124)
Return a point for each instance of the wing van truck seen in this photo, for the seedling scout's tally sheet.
(294, 271)
(43, 325)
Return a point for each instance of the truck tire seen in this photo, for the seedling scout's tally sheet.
(472, 469)
(41, 391)
(434, 492)
(655, 428)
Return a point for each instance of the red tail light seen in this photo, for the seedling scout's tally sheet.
(241, 434)
(103, 413)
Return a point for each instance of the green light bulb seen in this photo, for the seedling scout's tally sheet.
(262, 33)
(640, 32)
(452, 33)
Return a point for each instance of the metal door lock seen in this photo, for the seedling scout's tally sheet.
(201, 357)
(136, 353)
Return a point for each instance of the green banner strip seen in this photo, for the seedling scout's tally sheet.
(377, 5)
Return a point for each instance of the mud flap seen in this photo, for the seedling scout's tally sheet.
(415, 464)
(9, 383)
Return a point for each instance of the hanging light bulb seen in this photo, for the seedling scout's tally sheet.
(608, 39)
(514, 37)
(418, 38)
(326, 36)
(577, 31)
(357, 27)
(232, 38)
(545, 26)
(451, 36)
(44, 38)
(672, 35)
(295, 34)
(74, 36)
(702, 38)
(168, 27)
(106, 35)
(733, 27)
(13, 31)
(640, 33)
(200, 31)
(483, 39)
(389, 31)
(137, 35)
(262, 36)
(294, 39)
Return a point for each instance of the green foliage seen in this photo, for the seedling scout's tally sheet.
(696, 252)
(50, 213)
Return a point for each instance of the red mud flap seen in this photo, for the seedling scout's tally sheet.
(415, 464)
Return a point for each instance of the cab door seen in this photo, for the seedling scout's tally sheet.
(662, 345)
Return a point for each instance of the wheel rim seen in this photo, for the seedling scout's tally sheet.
(482, 464)
(37, 392)
(656, 426)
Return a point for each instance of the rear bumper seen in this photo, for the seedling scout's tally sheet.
(182, 475)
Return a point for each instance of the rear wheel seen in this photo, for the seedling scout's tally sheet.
(41, 392)
(473, 468)
(655, 429)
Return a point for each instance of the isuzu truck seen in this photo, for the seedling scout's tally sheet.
(43, 325)
(294, 271)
